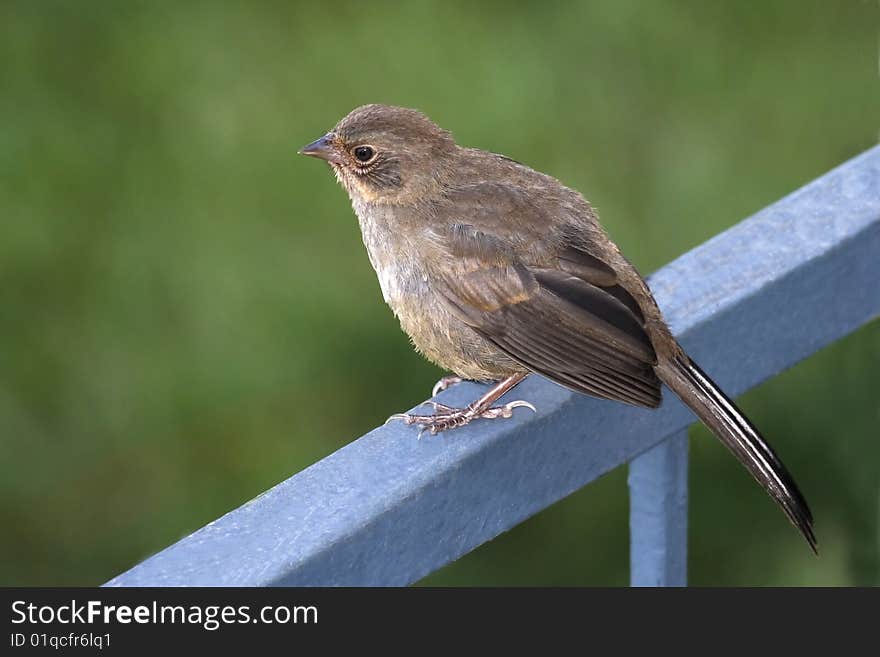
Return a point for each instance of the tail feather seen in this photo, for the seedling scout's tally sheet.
(733, 428)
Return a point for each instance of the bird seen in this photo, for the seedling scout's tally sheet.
(496, 270)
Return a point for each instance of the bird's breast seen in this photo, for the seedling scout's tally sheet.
(396, 247)
(394, 253)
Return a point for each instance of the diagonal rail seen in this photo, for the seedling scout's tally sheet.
(388, 509)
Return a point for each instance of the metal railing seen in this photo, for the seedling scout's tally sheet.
(388, 509)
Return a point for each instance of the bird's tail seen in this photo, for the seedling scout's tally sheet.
(732, 428)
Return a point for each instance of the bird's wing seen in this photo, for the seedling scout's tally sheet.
(568, 319)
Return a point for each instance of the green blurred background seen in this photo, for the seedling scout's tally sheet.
(189, 317)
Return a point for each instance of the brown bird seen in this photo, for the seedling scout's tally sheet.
(496, 270)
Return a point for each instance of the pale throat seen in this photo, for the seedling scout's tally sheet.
(392, 253)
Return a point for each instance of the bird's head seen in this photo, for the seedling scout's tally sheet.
(384, 154)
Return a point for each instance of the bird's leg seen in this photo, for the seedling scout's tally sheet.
(444, 383)
(447, 417)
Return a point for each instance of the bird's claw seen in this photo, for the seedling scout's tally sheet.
(444, 383)
(447, 417)
(506, 410)
(443, 408)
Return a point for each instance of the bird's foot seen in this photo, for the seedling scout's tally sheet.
(448, 417)
(444, 383)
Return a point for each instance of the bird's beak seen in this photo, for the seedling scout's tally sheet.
(324, 148)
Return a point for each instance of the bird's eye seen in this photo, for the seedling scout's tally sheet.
(364, 153)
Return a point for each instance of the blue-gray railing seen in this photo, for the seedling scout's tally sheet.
(388, 509)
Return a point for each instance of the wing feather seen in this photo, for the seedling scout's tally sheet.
(576, 332)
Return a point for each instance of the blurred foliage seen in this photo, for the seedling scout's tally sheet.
(188, 316)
